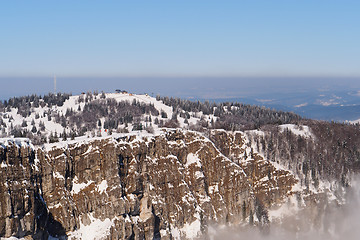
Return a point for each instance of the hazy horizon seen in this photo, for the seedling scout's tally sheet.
(186, 87)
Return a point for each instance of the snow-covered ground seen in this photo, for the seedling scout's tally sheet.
(299, 130)
(45, 115)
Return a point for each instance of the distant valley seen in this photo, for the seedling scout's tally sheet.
(337, 106)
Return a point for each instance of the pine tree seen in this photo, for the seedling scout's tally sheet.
(56, 138)
(24, 124)
(34, 130)
(163, 114)
(64, 135)
(156, 121)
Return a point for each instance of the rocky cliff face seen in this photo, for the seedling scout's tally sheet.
(22, 208)
(170, 185)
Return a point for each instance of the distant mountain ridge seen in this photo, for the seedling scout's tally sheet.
(335, 112)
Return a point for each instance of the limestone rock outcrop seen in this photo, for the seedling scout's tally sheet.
(170, 185)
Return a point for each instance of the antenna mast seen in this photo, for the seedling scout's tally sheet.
(54, 84)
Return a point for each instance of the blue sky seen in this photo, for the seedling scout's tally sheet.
(179, 38)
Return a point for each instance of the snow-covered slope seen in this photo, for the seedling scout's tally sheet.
(48, 121)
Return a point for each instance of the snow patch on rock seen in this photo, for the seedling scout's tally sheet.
(97, 229)
(77, 187)
(20, 142)
(192, 159)
(191, 230)
(102, 186)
